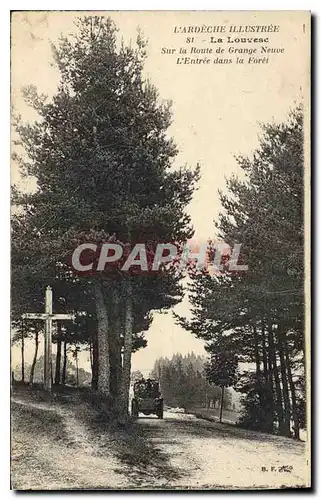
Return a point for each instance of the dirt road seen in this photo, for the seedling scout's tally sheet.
(180, 451)
(211, 454)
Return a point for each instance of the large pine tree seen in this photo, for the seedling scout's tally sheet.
(259, 314)
(104, 167)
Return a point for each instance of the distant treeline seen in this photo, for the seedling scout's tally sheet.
(183, 383)
(69, 376)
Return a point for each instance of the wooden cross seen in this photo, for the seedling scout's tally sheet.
(48, 317)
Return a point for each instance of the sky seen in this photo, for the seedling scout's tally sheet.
(217, 109)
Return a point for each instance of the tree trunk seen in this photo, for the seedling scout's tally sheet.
(264, 356)
(274, 367)
(34, 361)
(270, 374)
(22, 353)
(94, 371)
(222, 399)
(285, 387)
(77, 370)
(103, 348)
(258, 371)
(115, 352)
(128, 333)
(91, 355)
(64, 366)
(58, 361)
(293, 393)
(257, 357)
(268, 400)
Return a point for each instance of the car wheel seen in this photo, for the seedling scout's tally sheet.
(134, 411)
(160, 413)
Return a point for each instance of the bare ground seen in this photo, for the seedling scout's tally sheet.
(65, 446)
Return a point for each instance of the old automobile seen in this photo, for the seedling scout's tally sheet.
(147, 398)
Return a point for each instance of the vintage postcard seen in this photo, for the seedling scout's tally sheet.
(160, 250)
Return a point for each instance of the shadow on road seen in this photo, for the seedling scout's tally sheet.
(143, 462)
(143, 457)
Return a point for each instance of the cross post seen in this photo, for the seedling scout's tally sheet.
(48, 317)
